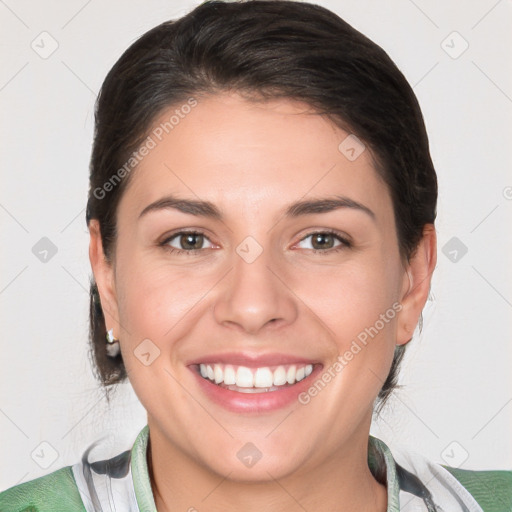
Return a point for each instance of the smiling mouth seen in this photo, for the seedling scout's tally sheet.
(254, 380)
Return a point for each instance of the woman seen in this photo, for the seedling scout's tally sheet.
(261, 214)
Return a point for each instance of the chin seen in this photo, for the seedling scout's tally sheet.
(260, 472)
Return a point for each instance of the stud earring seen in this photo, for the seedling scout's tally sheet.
(113, 347)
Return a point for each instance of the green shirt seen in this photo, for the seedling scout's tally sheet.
(122, 484)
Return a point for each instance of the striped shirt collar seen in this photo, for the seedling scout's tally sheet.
(414, 484)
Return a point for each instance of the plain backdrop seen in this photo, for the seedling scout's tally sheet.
(455, 405)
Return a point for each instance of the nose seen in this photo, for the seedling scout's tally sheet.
(254, 296)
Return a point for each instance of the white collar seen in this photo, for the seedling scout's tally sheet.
(122, 483)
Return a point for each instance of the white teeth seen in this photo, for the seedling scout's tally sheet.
(244, 377)
(229, 376)
(263, 378)
(217, 372)
(280, 376)
(257, 379)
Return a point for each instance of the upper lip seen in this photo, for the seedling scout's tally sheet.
(251, 360)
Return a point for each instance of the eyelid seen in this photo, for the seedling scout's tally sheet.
(342, 237)
(168, 237)
(331, 231)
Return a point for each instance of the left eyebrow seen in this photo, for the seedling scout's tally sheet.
(297, 209)
(309, 207)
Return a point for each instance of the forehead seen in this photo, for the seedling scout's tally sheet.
(239, 153)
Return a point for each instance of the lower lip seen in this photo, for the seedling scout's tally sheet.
(266, 401)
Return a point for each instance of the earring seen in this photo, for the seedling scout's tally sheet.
(113, 347)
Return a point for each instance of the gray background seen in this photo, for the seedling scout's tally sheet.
(455, 405)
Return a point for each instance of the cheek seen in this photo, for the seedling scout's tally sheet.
(162, 303)
(155, 299)
(358, 305)
(350, 297)
(156, 307)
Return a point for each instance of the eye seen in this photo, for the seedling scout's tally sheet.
(324, 241)
(185, 241)
(193, 241)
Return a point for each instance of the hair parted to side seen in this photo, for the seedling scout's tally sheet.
(262, 49)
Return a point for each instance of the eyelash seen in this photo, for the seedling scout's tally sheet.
(345, 244)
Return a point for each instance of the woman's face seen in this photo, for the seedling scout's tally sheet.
(293, 275)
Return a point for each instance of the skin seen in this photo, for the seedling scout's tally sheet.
(251, 160)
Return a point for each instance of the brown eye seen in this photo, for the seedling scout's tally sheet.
(191, 241)
(322, 241)
(185, 242)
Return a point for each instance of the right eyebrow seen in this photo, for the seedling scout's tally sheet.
(190, 206)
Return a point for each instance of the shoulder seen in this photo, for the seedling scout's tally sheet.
(425, 483)
(106, 481)
(491, 489)
(49, 493)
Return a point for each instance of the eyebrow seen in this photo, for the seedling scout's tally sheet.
(297, 209)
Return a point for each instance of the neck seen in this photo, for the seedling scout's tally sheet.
(343, 482)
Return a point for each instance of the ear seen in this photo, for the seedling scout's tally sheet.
(416, 284)
(104, 276)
